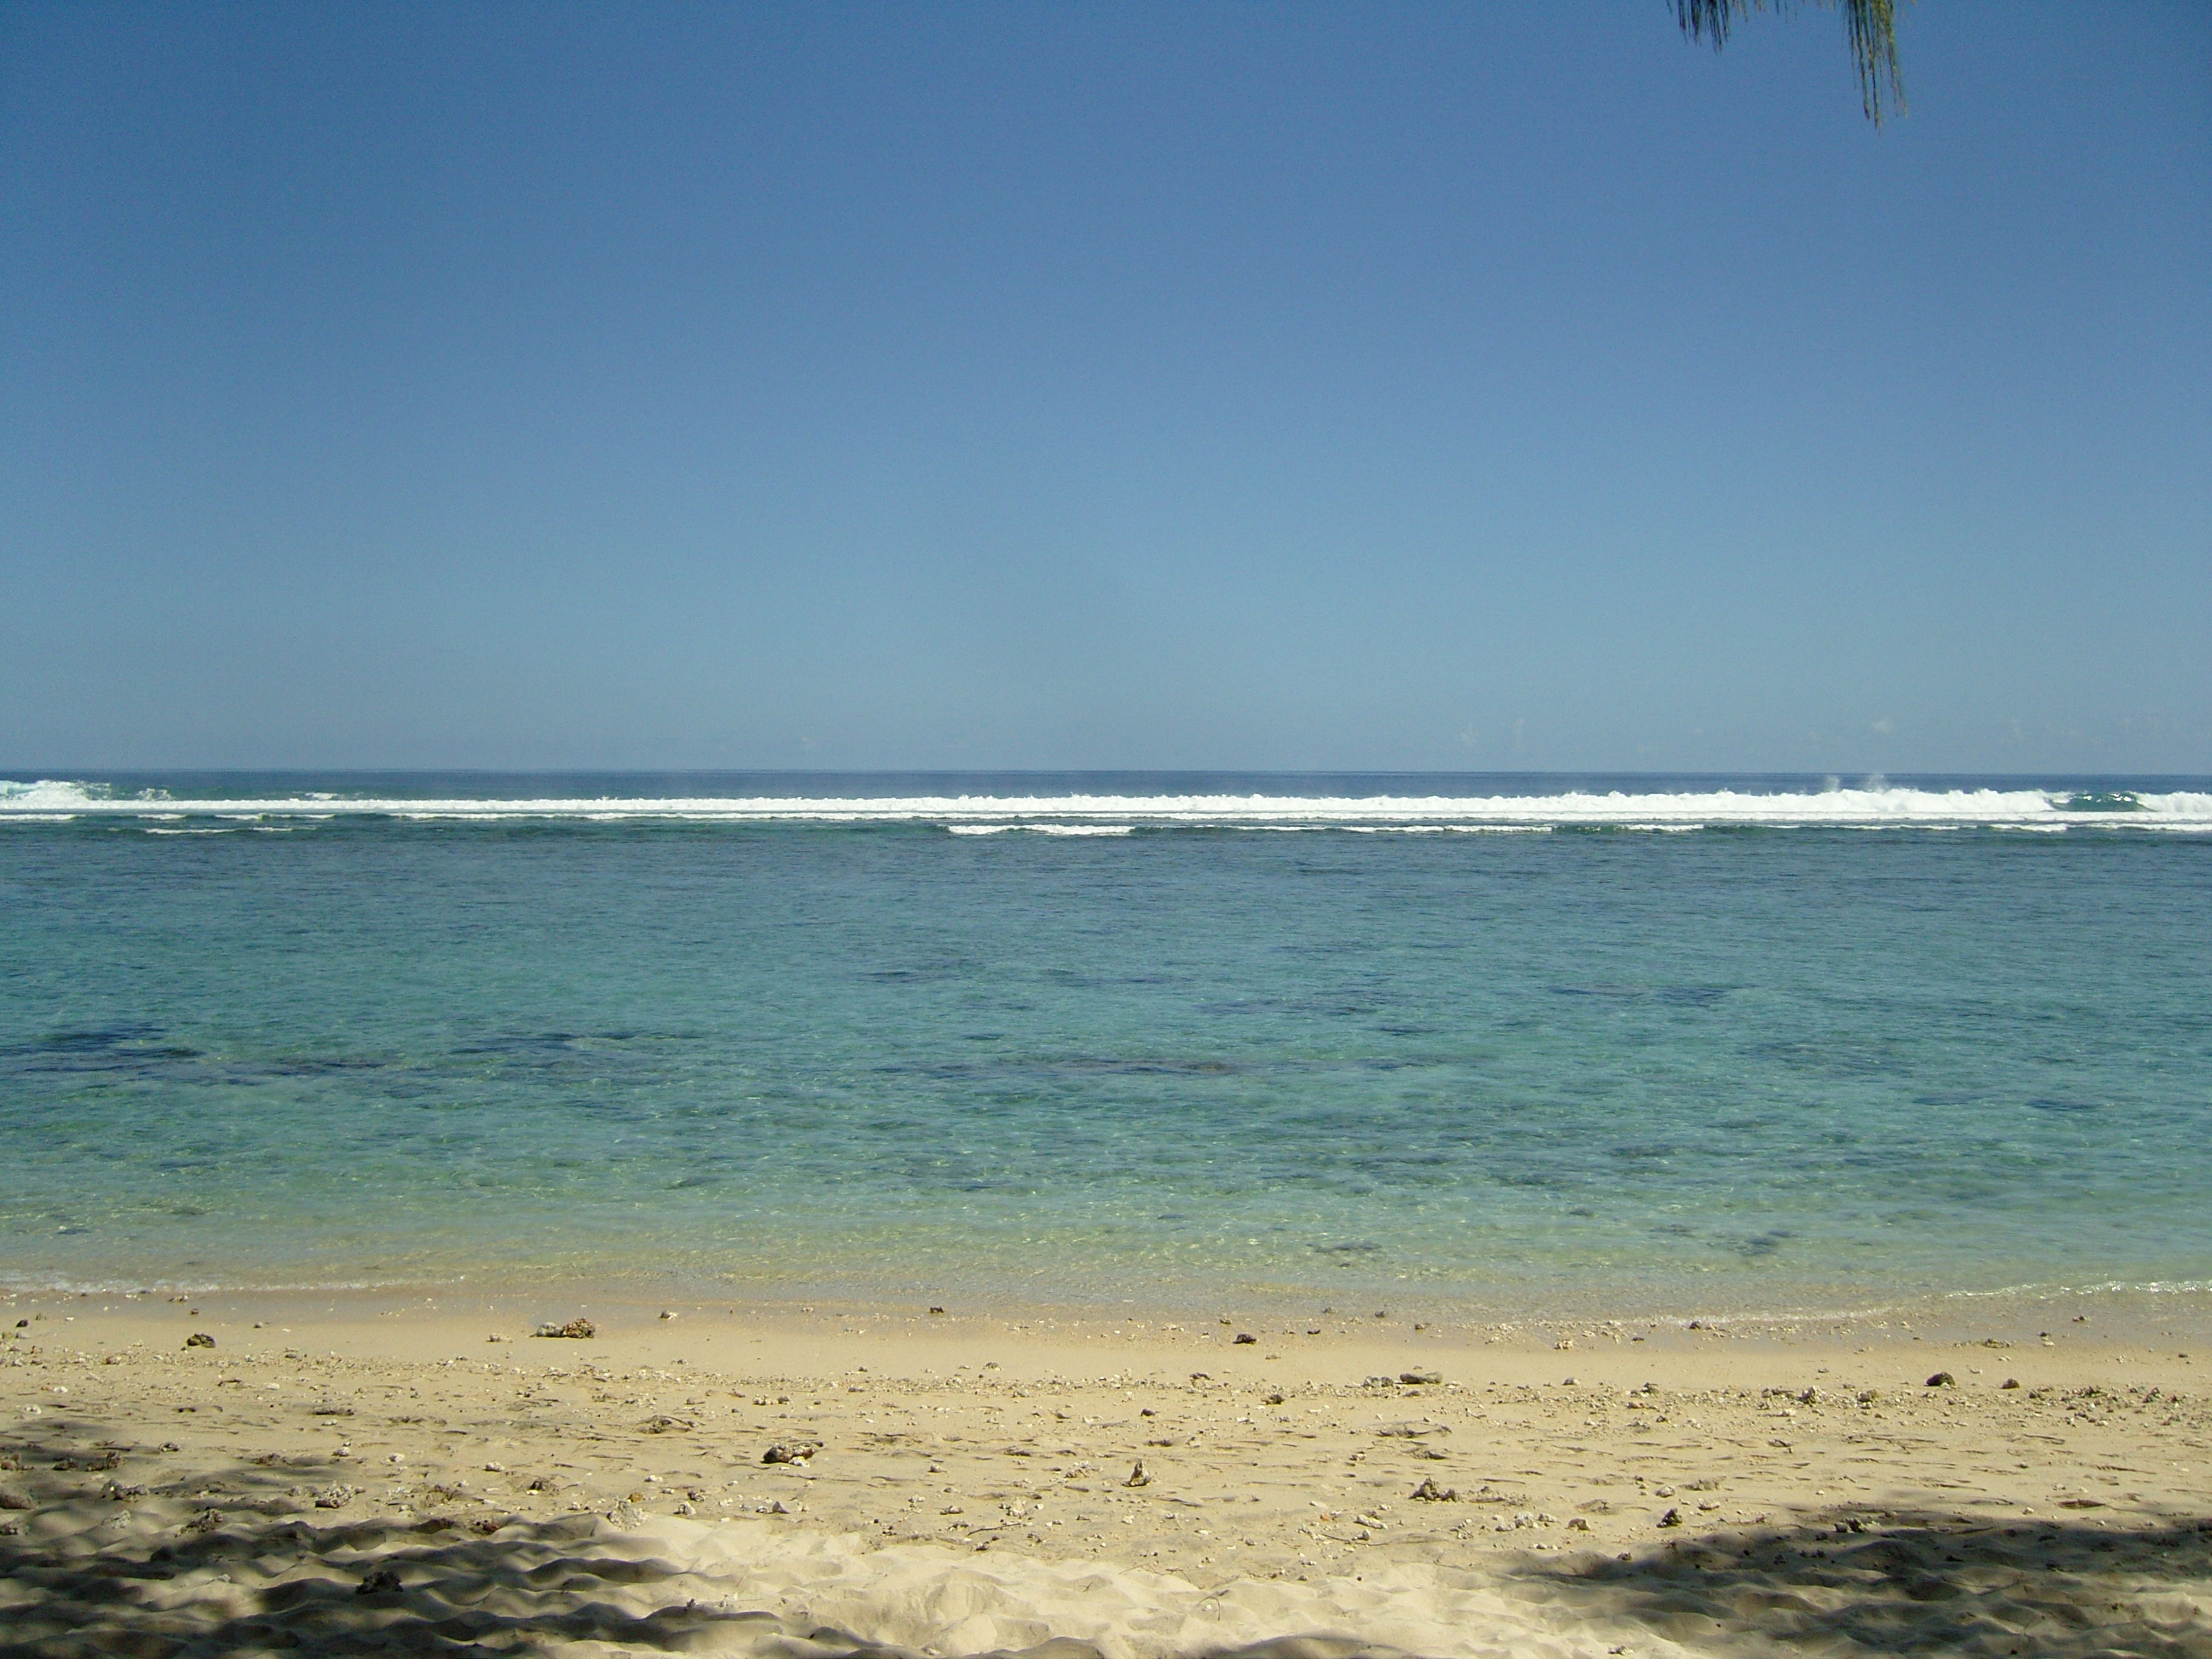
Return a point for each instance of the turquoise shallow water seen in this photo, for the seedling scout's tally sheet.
(1697, 1044)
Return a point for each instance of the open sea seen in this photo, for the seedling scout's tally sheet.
(1518, 1043)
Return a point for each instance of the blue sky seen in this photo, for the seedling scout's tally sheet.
(1376, 386)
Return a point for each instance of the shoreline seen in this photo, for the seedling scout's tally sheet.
(1281, 1478)
(2150, 1316)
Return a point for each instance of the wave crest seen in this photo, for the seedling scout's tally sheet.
(1882, 806)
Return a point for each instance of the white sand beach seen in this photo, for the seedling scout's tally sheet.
(379, 1475)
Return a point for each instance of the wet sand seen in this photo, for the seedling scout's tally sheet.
(824, 1481)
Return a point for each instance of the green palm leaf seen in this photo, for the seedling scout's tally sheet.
(1871, 26)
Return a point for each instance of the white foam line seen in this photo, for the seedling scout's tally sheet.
(1884, 807)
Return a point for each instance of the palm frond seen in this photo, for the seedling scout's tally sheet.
(1869, 25)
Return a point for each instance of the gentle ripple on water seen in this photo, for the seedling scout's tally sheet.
(1749, 1067)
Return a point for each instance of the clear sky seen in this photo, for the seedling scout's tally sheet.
(1362, 386)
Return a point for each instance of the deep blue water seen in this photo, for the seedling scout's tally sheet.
(257, 1031)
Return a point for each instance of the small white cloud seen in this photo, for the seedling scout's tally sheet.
(1884, 727)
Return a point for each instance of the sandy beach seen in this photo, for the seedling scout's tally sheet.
(420, 1473)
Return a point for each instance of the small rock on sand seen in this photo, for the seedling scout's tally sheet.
(580, 1329)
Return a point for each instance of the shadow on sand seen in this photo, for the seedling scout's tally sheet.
(1894, 1582)
(242, 1560)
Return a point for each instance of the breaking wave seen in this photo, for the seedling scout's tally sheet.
(1875, 806)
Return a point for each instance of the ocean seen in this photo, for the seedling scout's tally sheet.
(1515, 1043)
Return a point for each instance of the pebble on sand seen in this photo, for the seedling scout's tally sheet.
(582, 1329)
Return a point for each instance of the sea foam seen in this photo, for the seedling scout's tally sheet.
(1878, 806)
